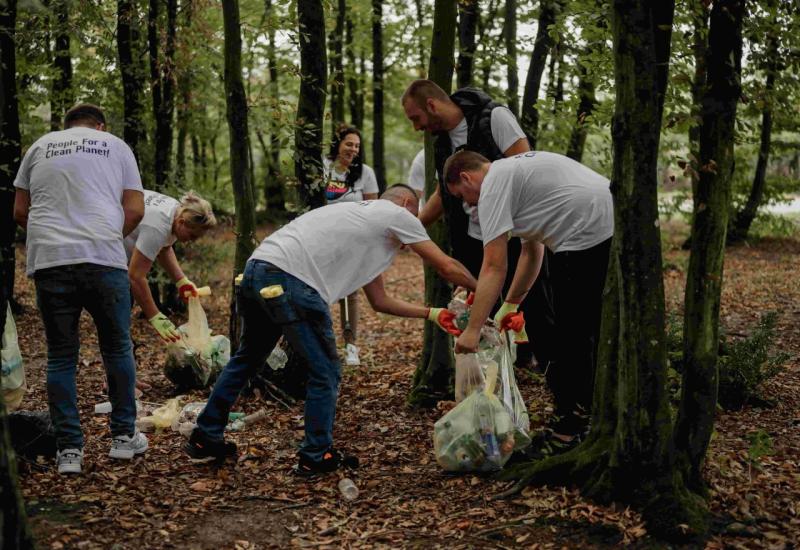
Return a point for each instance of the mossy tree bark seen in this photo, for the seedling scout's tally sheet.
(628, 455)
(434, 374)
(510, 39)
(378, 163)
(133, 79)
(61, 93)
(711, 206)
(355, 89)
(468, 11)
(529, 117)
(162, 75)
(311, 102)
(274, 192)
(335, 43)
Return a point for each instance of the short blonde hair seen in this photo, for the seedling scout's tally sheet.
(196, 212)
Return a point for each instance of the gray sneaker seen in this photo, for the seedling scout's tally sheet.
(126, 446)
(69, 461)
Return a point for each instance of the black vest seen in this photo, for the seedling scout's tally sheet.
(477, 107)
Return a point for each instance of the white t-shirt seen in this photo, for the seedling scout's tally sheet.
(75, 178)
(338, 248)
(336, 190)
(546, 197)
(154, 232)
(506, 131)
(416, 176)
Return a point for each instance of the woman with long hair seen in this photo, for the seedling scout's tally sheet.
(348, 179)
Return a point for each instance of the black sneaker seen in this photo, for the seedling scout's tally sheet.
(331, 460)
(201, 449)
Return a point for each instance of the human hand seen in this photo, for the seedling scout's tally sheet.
(164, 327)
(506, 310)
(444, 319)
(468, 341)
(186, 289)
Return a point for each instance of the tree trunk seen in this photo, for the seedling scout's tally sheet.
(133, 81)
(273, 181)
(63, 95)
(355, 89)
(434, 374)
(310, 103)
(711, 206)
(529, 119)
(628, 454)
(377, 94)
(10, 143)
(163, 88)
(337, 67)
(740, 225)
(421, 72)
(467, 23)
(699, 18)
(555, 85)
(510, 38)
(185, 107)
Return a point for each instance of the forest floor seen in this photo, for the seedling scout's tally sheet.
(161, 500)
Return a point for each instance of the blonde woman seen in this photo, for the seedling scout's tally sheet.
(165, 221)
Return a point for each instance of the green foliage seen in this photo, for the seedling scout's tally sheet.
(760, 446)
(748, 363)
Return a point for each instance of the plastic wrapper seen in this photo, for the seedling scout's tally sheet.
(490, 421)
(12, 375)
(163, 417)
(195, 361)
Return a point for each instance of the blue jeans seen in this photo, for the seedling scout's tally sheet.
(303, 318)
(62, 293)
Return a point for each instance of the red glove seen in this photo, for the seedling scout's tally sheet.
(445, 319)
(470, 298)
(513, 321)
(186, 289)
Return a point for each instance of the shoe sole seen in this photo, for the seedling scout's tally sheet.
(126, 454)
(71, 469)
(195, 459)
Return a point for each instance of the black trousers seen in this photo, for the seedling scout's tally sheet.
(577, 279)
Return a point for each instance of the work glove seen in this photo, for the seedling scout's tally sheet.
(508, 318)
(164, 328)
(186, 289)
(470, 298)
(445, 319)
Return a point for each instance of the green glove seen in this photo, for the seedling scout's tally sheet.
(164, 327)
(508, 318)
(445, 319)
(505, 311)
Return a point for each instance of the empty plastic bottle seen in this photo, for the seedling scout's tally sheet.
(277, 359)
(348, 489)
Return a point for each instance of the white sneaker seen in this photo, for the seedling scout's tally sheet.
(69, 461)
(351, 355)
(126, 446)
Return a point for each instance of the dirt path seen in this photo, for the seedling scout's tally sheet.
(163, 501)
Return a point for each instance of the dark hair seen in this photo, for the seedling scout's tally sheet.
(84, 112)
(403, 186)
(356, 167)
(420, 90)
(462, 161)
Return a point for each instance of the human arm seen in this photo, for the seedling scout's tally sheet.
(169, 261)
(432, 210)
(370, 196)
(138, 268)
(22, 205)
(133, 206)
(528, 266)
(448, 268)
(519, 146)
(490, 284)
(383, 303)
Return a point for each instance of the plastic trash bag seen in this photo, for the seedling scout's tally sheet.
(163, 417)
(195, 361)
(12, 374)
(491, 421)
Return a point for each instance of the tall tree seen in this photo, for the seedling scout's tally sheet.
(377, 94)
(185, 82)
(711, 207)
(14, 529)
(420, 13)
(337, 66)
(273, 187)
(629, 454)
(699, 17)
(740, 224)
(10, 143)
(529, 119)
(311, 102)
(162, 75)
(468, 15)
(236, 112)
(133, 78)
(62, 95)
(510, 39)
(355, 88)
(433, 376)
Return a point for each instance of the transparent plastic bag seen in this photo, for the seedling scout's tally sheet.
(164, 416)
(12, 375)
(491, 421)
(195, 361)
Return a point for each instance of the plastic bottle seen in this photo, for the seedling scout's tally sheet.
(348, 489)
(277, 359)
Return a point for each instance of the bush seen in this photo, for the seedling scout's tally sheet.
(747, 364)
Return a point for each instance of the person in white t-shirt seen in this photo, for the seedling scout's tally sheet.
(165, 221)
(548, 200)
(416, 176)
(470, 119)
(78, 194)
(286, 290)
(348, 179)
